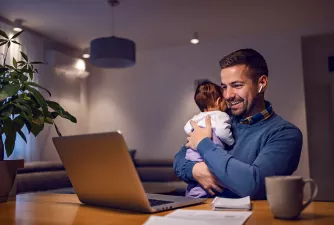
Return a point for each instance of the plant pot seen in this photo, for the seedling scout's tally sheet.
(8, 170)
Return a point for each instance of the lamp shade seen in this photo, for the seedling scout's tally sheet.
(112, 52)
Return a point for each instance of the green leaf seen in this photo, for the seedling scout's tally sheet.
(48, 120)
(8, 90)
(39, 98)
(3, 43)
(24, 108)
(1, 40)
(27, 121)
(31, 75)
(12, 78)
(4, 106)
(55, 106)
(34, 104)
(10, 133)
(24, 56)
(19, 122)
(60, 111)
(27, 98)
(7, 111)
(39, 86)
(16, 35)
(8, 44)
(10, 67)
(10, 143)
(39, 120)
(22, 135)
(37, 126)
(68, 116)
(14, 62)
(3, 34)
(22, 77)
(15, 42)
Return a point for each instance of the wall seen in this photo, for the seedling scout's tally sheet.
(151, 102)
(319, 93)
(70, 93)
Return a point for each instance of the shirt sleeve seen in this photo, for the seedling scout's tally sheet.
(188, 128)
(222, 124)
(279, 156)
(183, 168)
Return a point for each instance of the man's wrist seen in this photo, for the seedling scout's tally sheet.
(204, 145)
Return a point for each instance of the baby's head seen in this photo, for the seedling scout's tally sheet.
(209, 96)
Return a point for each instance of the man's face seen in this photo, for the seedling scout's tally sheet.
(240, 91)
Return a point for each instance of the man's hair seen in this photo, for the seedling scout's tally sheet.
(249, 57)
(206, 94)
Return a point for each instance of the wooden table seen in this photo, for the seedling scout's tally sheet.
(38, 208)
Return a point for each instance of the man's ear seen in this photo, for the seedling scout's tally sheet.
(262, 83)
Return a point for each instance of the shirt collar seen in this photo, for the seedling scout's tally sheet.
(265, 114)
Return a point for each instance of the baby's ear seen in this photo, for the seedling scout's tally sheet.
(222, 105)
(218, 101)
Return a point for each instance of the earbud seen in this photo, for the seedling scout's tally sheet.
(261, 86)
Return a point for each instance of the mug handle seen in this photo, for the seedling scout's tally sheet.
(314, 194)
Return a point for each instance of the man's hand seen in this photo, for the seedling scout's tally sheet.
(205, 178)
(199, 133)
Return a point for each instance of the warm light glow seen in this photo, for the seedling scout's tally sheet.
(85, 56)
(194, 41)
(17, 29)
(80, 65)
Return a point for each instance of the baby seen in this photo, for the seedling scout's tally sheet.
(209, 99)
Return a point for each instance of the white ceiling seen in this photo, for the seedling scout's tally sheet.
(162, 23)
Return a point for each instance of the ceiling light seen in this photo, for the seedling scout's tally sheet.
(80, 65)
(18, 25)
(195, 39)
(85, 56)
(17, 29)
(112, 52)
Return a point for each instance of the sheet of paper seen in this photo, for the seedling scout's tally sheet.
(212, 217)
(159, 220)
(230, 202)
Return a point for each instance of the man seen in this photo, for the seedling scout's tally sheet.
(265, 144)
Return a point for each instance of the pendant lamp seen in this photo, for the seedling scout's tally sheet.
(112, 52)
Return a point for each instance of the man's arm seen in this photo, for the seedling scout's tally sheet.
(280, 156)
(182, 167)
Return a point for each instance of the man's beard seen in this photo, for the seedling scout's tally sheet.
(241, 105)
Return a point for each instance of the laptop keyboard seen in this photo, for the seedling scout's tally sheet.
(155, 202)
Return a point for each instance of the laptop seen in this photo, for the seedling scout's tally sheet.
(103, 174)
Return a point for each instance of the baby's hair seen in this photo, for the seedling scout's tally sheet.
(207, 94)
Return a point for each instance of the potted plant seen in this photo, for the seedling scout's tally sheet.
(21, 104)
